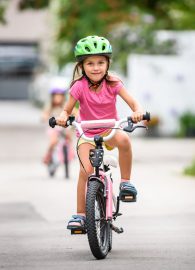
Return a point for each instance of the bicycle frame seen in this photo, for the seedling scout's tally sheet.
(60, 155)
(113, 125)
(105, 178)
(109, 200)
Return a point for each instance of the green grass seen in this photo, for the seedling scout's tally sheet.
(190, 170)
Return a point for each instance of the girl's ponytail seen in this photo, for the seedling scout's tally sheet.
(77, 73)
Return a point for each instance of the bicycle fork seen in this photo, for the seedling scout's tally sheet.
(110, 200)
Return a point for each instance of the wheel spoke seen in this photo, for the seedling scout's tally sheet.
(100, 219)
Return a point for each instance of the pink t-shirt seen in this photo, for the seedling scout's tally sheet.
(94, 106)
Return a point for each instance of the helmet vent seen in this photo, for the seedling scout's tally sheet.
(87, 49)
(103, 47)
(95, 44)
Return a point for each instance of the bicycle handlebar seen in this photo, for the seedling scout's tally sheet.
(106, 123)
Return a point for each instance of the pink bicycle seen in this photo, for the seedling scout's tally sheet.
(102, 206)
(61, 155)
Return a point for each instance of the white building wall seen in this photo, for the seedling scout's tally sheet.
(165, 85)
(26, 26)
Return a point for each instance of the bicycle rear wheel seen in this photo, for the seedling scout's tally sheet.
(66, 161)
(53, 164)
(98, 228)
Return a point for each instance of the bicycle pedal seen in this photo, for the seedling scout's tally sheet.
(78, 231)
(116, 215)
(127, 198)
(116, 229)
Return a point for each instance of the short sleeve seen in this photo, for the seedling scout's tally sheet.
(118, 87)
(117, 84)
(75, 90)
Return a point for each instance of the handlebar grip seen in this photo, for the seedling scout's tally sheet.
(52, 122)
(146, 116)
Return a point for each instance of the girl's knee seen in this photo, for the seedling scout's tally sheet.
(124, 142)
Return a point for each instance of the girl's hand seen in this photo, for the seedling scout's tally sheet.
(137, 116)
(62, 119)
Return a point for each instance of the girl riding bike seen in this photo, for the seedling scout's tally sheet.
(53, 108)
(96, 90)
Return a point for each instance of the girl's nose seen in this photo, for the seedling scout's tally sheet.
(96, 67)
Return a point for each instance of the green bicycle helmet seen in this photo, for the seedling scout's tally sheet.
(92, 45)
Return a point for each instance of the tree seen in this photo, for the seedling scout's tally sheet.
(35, 4)
(119, 21)
(22, 5)
(130, 25)
(2, 12)
(169, 14)
(75, 20)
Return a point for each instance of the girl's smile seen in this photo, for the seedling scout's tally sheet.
(95, 67)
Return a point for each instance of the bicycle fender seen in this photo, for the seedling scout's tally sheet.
(95, 178)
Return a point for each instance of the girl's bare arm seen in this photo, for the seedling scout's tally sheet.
(133, 104)
(69, 106)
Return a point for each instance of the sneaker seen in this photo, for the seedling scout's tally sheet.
(127, 192)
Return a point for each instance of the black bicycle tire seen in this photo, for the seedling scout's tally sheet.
(94, 193)
(53, 171)
(66, 161)
(110, 238)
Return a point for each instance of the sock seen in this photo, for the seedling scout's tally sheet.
(125, 180)
(81, 214)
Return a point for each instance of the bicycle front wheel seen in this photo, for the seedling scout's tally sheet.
(98, 228)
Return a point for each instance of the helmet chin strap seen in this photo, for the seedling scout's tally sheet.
(94, 84)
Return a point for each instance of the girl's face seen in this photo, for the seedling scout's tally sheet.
(57, 99)
(95, 67)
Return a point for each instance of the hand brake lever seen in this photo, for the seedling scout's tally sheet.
(131, 127)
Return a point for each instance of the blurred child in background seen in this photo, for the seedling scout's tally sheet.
(53, 108)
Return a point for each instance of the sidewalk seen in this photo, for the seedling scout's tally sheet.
(19, 113)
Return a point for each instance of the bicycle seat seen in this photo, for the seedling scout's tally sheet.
(110, 160)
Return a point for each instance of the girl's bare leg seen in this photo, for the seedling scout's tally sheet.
(53, 140)
(122, 142)
(83, 176)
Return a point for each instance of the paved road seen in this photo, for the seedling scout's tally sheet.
(34, 210)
